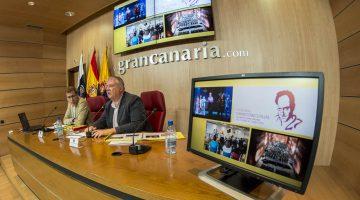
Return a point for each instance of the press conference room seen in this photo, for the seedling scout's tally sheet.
(180, 99)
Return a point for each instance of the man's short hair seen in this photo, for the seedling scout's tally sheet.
(119, 80)
(290, 95)
(70, 89)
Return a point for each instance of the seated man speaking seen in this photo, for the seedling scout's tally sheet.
(124, 113)
(77, 112)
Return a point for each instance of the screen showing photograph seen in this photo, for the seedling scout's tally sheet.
(145, 31)
(227, 140)
(281, 154)
(195, 20)
(213, 103)
(166, 6)
(130, 13)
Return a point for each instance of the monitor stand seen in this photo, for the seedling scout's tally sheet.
(238, 185)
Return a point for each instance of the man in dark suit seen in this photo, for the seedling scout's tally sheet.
(124, 113)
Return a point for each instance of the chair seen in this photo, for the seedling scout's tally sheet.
(151, 100)
(95, 104)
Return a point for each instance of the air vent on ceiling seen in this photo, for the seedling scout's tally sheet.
(34, 26)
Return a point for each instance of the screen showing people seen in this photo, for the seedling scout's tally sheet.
(139, 23)
(262, 125)
(213, 102)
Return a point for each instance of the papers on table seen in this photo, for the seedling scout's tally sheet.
(76, 135)
(153, 136)
(121, 142)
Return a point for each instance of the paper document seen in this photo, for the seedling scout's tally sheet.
(121, 142)
(153, 136)
(79, 135)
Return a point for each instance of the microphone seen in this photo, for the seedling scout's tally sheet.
(89, 133)
(136, 149)
(43, 123)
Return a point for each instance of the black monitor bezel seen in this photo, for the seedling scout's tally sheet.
(319, 111)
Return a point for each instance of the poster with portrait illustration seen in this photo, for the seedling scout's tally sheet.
(280, 108)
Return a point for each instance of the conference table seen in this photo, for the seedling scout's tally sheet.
(54, 170)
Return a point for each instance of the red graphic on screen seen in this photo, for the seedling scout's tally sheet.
(285, 101)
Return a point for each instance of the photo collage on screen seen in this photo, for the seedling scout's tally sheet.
(213, 103)
(227, 140)
(145, 20)
(231, 137)
(281, 154)
(130, 13)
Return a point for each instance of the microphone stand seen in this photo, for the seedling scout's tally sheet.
(43, 123)
(89, 133)
(136, 149)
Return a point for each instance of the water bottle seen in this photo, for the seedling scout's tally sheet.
(58, 127)
(170, 139)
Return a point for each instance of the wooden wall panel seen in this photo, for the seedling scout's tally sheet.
(19, 49)
(31, 96)
(33, 111)
(349, 51)
(344, 164)
(54, 39)
(32, 76)
(338, 5)
(54, 52)
(349, 81)
(349, 112)
(18, 34)
(286, 35)
(31, 80)
(348, 22)
(21, 65)
(345, 159)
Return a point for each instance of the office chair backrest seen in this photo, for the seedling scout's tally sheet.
(95, 104)
(151, 100)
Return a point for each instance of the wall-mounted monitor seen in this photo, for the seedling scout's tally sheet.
(263, 125)
(140, 23)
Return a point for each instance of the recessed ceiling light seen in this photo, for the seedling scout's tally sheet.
(30, 3)
(69, 13)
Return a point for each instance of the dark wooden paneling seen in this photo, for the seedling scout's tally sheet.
(32, 75)
(54, 52)
(21, 65)
(349, 111)
(338, 5)
(33, 111)
(347, 22)
(18, 49)
(21, 34)
(30, 96)
(349, 51)
(345, 158)
(349, 81)
(31, 80)
(54, 39)
(31, 50)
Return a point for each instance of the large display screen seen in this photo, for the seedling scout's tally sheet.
(139, 23)
(264, 124)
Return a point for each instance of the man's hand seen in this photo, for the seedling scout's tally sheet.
(103, 132)
(91, 128)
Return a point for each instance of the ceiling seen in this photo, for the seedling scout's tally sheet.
(50, 14)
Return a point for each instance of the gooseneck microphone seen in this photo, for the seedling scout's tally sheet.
(43, 123)
(89, 133)
(136, 149)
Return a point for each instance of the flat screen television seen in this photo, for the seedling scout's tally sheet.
(140, 23)
(264, 125)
